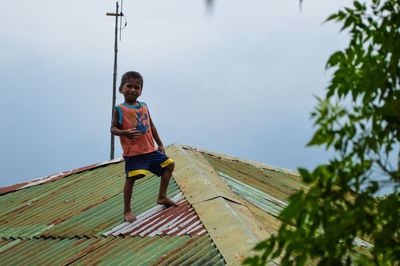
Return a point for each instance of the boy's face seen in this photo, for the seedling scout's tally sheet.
(131, 90)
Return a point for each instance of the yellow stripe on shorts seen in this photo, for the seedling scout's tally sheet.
(137, 172)
(167, 162)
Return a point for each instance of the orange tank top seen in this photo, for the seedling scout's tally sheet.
(136, 117)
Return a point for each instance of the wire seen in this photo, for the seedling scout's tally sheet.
(120, 20)
(125, 23)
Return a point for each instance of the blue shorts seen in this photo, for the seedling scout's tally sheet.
(137, 166)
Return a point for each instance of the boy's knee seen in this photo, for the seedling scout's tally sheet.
(130, 180)
(171, 166)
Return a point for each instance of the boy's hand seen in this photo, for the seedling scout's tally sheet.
(131, 133)
(161, 149)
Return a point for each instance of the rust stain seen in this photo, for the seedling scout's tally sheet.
(274, 202)
(153, 239)
(174, 251)
(92, 247)
(172, 221)
(69, 215)
(91, 206)
(16, 210)
(59, 220)
(240, 257)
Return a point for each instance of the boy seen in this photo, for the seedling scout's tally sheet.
(132, 123)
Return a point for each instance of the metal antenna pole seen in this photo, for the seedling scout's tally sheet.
(116, 14)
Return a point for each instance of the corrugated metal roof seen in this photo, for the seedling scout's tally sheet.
(111, 250)
(88, 203)
(259, 198)
(277, 184)
(108, 214)
(161, 221)
(55, 177)
(61, 219)
(155, 251)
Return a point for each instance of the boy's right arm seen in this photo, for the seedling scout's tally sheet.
(130, 133)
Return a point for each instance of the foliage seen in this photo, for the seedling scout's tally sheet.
(359, 119)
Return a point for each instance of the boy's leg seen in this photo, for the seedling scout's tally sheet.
(128, 215)
(162, 194)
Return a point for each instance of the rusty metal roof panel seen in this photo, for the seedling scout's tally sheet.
(166, 250)
(101, 218)
(88, 203)
(48, 250)
(50, 204)
(55, 177)
(171, 250)
(61, 219)
(180, 220)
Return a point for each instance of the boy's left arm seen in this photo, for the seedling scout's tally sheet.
(156, 137)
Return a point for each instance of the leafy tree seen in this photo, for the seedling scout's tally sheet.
(359, 119)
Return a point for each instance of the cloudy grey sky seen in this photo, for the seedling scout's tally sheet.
(239, 80)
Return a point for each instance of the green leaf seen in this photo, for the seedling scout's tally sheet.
(306, 176)
(357, 5)
(335, 59)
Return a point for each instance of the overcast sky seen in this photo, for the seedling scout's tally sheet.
(238, 80)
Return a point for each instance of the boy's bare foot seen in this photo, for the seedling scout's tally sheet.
(166, 202)
(129, 217)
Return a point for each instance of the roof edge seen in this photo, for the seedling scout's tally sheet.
(50, 178)
(249, 162)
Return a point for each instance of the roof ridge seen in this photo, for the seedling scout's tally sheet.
(234, 230)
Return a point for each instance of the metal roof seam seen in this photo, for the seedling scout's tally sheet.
(250, 191)
(216, 197)
(197, 168)
(86, 253)
(190, 159)
(281, 186)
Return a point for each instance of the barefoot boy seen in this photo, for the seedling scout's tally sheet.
(132, 123)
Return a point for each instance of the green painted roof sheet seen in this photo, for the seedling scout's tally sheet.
(62, 221)
(111, 251)
(84, 204)
(277, 184)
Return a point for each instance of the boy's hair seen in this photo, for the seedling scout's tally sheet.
(130, 75)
